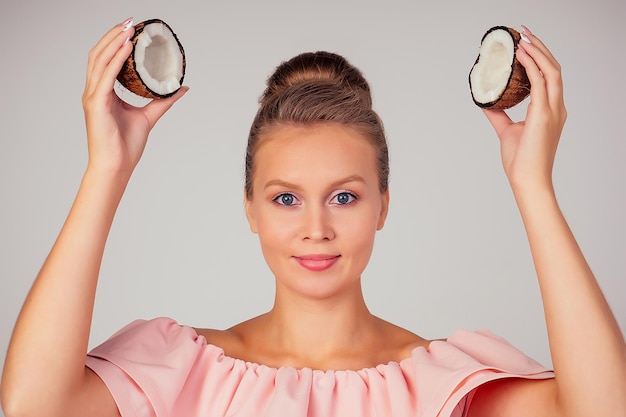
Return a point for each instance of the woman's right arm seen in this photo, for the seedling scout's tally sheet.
(44, 372)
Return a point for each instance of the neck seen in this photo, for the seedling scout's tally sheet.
(316, 328)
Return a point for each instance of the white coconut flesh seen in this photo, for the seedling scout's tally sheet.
(492, 72)
(158, 59)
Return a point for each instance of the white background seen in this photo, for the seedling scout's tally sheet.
(453, 253)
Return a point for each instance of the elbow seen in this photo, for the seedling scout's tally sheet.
(10, 395)
(6, 400)
(11, 406)
(8, 404)
(16, 404)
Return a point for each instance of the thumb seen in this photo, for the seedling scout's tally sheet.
(498, 119)
(157, 108)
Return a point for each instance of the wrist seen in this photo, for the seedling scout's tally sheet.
(108, 173)
(109, 181)
(534, 195)
(531, 185)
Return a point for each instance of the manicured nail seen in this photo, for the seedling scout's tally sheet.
(526, 30)
(127, 24)
(524, 37)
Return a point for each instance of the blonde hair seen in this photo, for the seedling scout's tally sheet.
(318, 87)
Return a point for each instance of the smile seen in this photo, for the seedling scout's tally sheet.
(317, 263)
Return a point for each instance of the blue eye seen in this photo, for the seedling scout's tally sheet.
(285, 199)
(344, 198)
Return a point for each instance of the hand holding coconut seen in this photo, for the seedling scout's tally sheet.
(528, 147)
(578, 319)
(117, 132)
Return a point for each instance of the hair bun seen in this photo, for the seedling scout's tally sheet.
(319, 67)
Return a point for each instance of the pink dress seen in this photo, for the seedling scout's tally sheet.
(160, 368)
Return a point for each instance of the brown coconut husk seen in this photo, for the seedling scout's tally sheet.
(130, 78)
(517, 86)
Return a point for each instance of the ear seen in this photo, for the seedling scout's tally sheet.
(249, 213)
(384, 209)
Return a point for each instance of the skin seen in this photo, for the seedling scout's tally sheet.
(319, 319)
(57, 312)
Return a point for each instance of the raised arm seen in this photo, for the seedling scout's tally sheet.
(44, 372)
(586, 344)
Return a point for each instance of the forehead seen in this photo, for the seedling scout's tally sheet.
(319, 152)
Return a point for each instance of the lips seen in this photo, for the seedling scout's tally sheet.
(317, 262)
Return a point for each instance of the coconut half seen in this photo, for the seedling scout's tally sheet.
(156, 66)
(497, 80)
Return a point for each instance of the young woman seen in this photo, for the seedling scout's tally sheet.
(315, 193)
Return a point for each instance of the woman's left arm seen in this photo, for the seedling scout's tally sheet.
(586, 344)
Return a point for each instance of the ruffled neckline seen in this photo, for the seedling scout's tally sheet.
(170, 368)
(223, 357)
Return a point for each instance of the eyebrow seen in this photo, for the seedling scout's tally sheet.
(286, 184)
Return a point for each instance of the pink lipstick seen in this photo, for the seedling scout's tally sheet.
(317, 263)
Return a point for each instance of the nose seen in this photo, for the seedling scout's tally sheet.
(317, 225)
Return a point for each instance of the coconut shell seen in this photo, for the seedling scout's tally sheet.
(130, 78)
(518, 84)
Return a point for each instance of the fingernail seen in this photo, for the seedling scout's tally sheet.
(127, 24)
(524, 37)
(526, 30)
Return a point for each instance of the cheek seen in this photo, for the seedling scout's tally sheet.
(274, 230)
(365, 239)
(276, 234)
(359, 229)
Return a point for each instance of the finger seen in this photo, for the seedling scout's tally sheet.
(543, 72)
(103, 52)
(539, 44)
(106, 39)
(498, 119)
(157, 107)
(551, 69)
(546, 63)
(538, 93)
(104, 78)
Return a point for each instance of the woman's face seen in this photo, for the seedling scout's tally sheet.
(316, 206)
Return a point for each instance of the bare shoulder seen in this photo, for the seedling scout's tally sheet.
(401, 340)
(232, 341)
(223, 339)
(515, 397)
